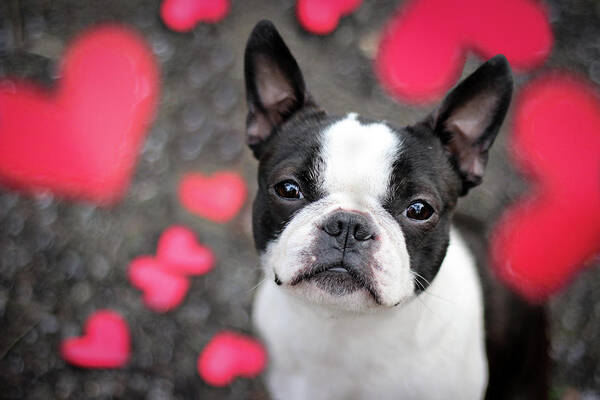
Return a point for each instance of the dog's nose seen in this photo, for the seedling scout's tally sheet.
(344, 224)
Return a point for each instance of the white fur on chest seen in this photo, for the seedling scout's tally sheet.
(430, 348)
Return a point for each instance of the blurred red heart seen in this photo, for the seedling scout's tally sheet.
(229, 355)
(423, 48)
(544, 239)
(218, 197)
(106, 343)
(322, 16)
(180, 253)
(163, 290)
(82, 140)
(183, 15)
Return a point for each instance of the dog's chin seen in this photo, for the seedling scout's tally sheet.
(320, 293)
(336, 288)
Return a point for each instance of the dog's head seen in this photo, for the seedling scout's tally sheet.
(353, 213)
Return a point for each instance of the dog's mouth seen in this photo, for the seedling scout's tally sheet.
(336, 279)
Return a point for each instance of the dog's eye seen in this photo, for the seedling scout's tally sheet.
(288, 190)
(419, 210)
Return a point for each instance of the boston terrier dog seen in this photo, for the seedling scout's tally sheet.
(370, 293)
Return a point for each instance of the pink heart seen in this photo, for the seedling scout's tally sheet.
(322, 16)
(423, 48)
(229, 355)
(81, 140)
(179, 252)
(106, 343)
(183, 15)
(218, 198)
(162, 289)
(545, 238)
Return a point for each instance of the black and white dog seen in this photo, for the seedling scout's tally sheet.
(370, 291)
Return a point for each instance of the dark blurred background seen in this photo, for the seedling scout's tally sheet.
(60, 261)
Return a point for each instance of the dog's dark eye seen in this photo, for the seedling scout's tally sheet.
(288, 190)
(419, 210)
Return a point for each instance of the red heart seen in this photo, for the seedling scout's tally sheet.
(163, 279)
(545, 238)
(179, 252)
(423, 49)
(162, 289)
(105, 344)
(229, 355)
(322, 16)
(218, 198)
(82, 140)
(183, 15)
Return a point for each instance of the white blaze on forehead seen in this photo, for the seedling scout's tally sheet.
(358, 158)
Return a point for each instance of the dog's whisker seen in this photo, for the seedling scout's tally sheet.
(422, 286)
(253, 288)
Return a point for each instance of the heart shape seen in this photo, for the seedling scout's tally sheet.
(163, 290)
(163, 278)
(180, 253)
(218, 198)
(82, 140)
(106, 343)
(322, 16)
(423, 49)
(543, 240)
(229, 355)
(183, 15)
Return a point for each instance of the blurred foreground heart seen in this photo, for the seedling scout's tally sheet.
(423, 49)
(162, 289)
(229, 355)
(180, 253)
(543, 240)
(183, 15)
(81, 140)
(322, 16)
(218, 197)
(106, 343)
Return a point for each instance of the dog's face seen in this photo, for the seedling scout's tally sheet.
(351, 213)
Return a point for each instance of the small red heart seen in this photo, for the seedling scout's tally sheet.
(218, 198)
(106, 343)
(162, 289)
(229, 355)
(322, 16)
(82, 140)
(183, 15)
(179, 252)
(423, 49)
(543, 240)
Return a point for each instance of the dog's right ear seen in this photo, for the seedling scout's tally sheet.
(275, 88)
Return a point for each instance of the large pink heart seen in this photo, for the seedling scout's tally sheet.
(81, 140)
(423, 49)
(546, 237)
(106, 343)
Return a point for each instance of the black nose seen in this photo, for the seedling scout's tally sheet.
(345, 225)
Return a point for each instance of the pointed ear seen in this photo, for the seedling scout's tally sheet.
(470, 116)
(275, 88)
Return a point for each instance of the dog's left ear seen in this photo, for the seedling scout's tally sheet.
(275, 88)
(470, 116)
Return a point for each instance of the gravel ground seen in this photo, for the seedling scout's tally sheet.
(60, 261)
